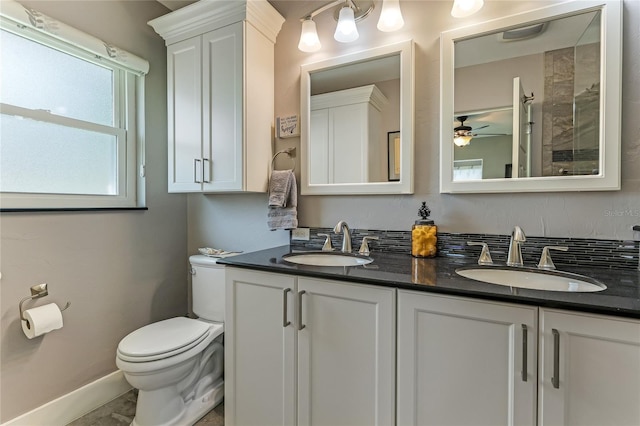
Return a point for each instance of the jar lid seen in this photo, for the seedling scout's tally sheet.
(424, 213)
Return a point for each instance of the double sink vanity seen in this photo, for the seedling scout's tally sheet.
(393, 339)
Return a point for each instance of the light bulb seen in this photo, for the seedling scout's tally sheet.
(309, 41)
(464, 8)
(346, 30)
(390, 16)
(462, 140)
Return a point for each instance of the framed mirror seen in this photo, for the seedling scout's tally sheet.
(356, 123)
(532, 102)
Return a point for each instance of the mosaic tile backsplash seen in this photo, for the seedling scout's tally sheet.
(582, 251)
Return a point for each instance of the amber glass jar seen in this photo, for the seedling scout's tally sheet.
(423, 235)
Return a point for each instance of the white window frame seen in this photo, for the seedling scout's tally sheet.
(127, 127)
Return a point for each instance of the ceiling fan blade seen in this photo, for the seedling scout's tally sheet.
(481, 127)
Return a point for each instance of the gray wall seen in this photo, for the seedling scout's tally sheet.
(120, 270)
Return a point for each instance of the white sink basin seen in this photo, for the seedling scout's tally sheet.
(533, 279)
(327, 259)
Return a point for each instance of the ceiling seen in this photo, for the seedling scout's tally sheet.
(568, 31)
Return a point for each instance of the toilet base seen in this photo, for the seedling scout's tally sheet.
(198, 407)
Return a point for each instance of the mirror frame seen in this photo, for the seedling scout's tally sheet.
(610, 102)
(405, 184)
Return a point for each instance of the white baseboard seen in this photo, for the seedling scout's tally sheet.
(69, 407)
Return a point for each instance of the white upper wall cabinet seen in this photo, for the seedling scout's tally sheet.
(220, 94)
(346, 132)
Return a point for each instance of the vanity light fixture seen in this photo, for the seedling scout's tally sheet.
(464, 8)
(309, 41)
(390, 16)
(349, 14)
(346, 30)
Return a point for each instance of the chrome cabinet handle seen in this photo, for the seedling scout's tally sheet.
(195, 170)
(555, 380)
(300, 324)
(206, 167)
(285, 321)
(524, 352)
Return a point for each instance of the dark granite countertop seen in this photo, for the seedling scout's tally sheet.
(437, 275)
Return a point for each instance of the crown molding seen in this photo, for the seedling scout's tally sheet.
(365, 94)
(208, 15)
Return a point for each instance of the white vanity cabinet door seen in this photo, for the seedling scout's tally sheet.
(597, 369)
(259, 348)
(184, 96)
(461, 361)
(346, 354)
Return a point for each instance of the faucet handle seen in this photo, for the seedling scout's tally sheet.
(327, 242)
(518, 234)
(364, 247)
(485, 255)
(545, 259)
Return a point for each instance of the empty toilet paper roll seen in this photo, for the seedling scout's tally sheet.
(41, 320)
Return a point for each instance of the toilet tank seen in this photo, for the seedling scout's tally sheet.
(207, 288)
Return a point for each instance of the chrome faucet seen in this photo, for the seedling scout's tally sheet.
(515, 254)
(346, 239)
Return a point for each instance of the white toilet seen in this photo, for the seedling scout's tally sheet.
(177, 364)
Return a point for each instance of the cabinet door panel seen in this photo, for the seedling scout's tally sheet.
(259, 349)
(346, 356)
(222, 107)
(184, 96)
(460, 362)
(598, 370)
(348, 144)
(319, 147)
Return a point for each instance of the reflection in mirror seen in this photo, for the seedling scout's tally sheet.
(487, 145)
(566, 76)
(528, 101)
(357, 140)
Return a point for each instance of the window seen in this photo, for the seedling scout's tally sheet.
(69, 130)
(467, 169)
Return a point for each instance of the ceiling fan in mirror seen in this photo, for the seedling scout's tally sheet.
(463, 134)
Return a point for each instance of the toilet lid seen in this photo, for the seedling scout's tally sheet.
(164, 338)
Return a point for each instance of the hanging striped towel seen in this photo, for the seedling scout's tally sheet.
(283, 200)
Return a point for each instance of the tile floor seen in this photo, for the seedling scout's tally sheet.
(120, 412)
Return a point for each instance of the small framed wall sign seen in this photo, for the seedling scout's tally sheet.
(288, 126)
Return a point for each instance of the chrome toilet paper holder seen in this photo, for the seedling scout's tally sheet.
(37, 291)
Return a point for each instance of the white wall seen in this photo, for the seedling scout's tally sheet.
(590, 214)
(119, 270)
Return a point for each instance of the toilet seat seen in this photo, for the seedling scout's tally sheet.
(163, 339)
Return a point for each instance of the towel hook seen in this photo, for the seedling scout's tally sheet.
(37, 291)
(287, 151)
